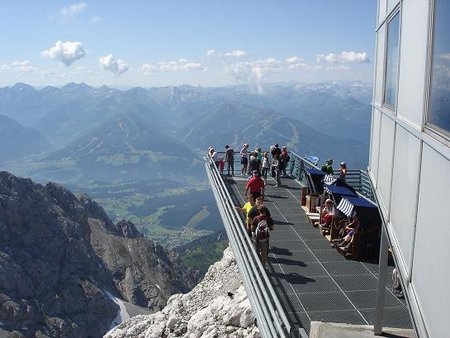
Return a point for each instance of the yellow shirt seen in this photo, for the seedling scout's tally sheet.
(247, 206)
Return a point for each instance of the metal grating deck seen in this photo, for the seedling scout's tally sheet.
(313, 281)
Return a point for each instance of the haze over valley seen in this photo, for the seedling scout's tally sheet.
(139, 152)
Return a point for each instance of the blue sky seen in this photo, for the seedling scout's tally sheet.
(174, 42)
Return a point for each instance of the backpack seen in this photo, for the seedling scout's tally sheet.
(262, 230)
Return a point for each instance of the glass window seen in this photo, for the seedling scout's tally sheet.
(390, 80)
(439, 107)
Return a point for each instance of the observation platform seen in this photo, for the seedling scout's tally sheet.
(311, 279)
(306, 279)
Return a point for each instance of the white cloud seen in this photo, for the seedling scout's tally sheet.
(328, 58)
(294, 59)
(148, 68)
(344, 57)
(115, 66)
(253, 71)
(295, 63)
(66, 14)
(171, 66)
(19, 67)
(212, 52)
(238, 53)
(66, 52)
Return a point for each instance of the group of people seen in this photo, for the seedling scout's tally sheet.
(328, 168)
(258, 223)
(274, 161)
(346, 229)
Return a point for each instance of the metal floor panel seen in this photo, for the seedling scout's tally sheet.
(393, 317)
(356, 282)
(312, 280)
(325, 301)
(367, 299)
(346, 268)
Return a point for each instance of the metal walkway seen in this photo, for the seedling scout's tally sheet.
(311, 279)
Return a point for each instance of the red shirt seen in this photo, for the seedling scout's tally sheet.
(255, 184)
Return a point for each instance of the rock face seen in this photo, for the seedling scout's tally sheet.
(60, 257)
(217, 307)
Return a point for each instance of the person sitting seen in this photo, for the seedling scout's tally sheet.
(346, 243)
(255, 185)
(327, 213)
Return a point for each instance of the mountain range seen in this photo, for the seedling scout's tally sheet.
(132, 148)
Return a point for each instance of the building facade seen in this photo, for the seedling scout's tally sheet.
(409, 162)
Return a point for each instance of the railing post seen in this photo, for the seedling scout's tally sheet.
(302, 167)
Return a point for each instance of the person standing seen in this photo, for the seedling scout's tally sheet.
(244, 158)
(328, 167)
(229, 158)
(284, 158)
(343, 171)
(265, 165)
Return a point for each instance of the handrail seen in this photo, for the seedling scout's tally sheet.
(271, 318)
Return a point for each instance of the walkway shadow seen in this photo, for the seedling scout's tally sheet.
(289, 308)
(277, 196)
(286, 261)
(275, 222)
(293, 278)
(280, 251)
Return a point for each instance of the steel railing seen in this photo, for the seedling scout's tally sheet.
(358, 179)
(271, 318)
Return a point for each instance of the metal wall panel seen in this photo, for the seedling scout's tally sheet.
(430, 274)
(404, 193)
(413, 57)
(385, 162)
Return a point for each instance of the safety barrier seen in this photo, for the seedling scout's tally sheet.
(271, 318)
(358, 179)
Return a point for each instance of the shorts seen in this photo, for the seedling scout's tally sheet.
(244, 160)
(256, 194)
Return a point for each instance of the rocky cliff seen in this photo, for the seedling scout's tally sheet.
(65, 267)
(217, 307)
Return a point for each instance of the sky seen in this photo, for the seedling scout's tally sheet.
(156, 43)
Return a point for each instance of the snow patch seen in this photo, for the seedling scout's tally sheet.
(122, 314)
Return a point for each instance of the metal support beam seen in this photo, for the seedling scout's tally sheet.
(381, 289)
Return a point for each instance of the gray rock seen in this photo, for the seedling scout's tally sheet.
(59, 254)
(206, 311)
